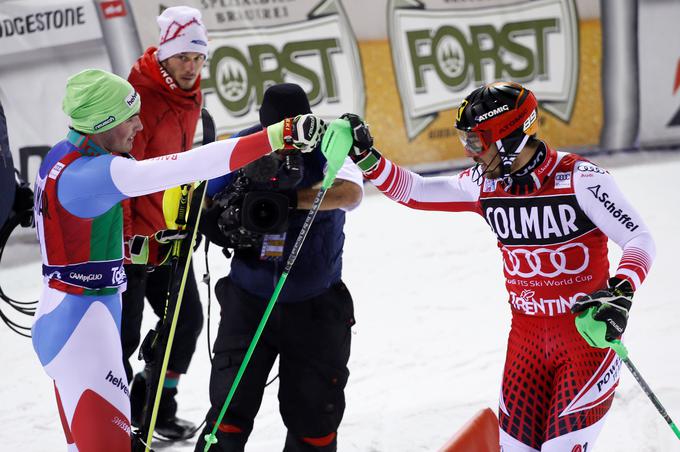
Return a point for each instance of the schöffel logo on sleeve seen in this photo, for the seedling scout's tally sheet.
(610, 205)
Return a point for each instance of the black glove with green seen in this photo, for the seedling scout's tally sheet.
(609, 306)
(362, 153)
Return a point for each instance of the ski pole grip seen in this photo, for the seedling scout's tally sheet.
(183, 205)
(335, 145)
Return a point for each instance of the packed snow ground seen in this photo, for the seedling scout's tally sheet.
(429, 343)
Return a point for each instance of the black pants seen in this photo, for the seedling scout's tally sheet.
(312, 339)
(154, 286)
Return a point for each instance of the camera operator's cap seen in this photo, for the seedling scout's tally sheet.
(97, 101)
(285, 100)
(181, 31)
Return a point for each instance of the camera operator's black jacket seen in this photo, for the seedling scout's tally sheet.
(7, 179)
(319, 263)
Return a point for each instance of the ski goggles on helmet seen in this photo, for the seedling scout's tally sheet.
(473, 142)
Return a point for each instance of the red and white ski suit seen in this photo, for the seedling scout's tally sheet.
(556, 388)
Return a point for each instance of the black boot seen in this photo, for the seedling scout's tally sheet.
(168, 425)
(137, 399)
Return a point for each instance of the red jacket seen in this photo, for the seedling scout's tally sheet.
(169, 115)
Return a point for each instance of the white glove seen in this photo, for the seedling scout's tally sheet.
(307, 132)
(302, 133)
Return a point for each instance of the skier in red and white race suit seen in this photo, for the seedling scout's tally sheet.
(552, 213)
(79, 222)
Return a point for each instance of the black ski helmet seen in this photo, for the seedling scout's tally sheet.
(504, 113)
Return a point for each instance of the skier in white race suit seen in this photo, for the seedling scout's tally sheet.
(79, 222)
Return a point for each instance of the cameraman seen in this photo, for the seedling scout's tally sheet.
(310, 326)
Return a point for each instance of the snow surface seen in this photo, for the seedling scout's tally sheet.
(429, 344)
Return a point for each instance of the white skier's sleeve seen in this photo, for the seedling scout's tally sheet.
(457, 193)
(92, 185)
(602, 201)
(136, 178)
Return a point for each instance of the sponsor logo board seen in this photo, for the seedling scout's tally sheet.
(442, 51)
(320, 54)
(28, 26)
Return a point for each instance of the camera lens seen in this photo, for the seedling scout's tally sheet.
(264, 214)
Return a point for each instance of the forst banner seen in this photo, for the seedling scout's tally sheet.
(407, 87)
(441, 51)
(659, 74)
(307, 42)
(441, 54)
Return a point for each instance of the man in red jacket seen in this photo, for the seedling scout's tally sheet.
(168, 78)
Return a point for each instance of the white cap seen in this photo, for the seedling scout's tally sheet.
(181, 31)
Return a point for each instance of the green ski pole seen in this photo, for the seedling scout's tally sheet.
(335, 145)
(594, 331)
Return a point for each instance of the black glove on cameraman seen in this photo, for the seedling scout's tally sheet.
(362, 153)
(612, 305)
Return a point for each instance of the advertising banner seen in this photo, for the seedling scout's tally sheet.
(42, 43)
(406, 84)
(308, 42)
(27, 26)
(441, 53)
(659, 55)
